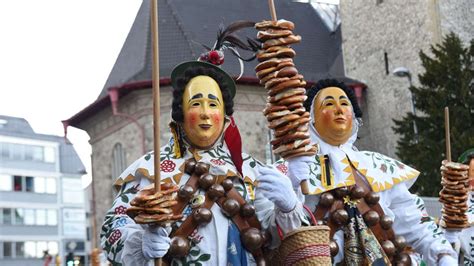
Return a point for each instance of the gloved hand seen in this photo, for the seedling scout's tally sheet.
(447, 260)
(276, 187)
(155, 242)
(298, 169)
(452, 235)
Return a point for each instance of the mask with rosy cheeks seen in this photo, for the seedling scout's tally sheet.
(333, 116)
(203, 109)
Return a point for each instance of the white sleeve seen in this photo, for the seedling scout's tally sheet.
(420, 231)
(121, 237)
(269, 217)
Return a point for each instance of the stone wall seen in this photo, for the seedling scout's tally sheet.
(106, 130)
(370, 30)
(457, 16)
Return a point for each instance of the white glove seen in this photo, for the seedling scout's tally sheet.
(452, 235)
(276, 187)
(155, 242)
(298, 169)
(448, 260)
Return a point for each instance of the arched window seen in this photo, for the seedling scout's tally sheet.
(118, 160)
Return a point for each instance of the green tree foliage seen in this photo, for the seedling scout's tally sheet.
(448, 81)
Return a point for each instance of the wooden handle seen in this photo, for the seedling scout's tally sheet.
(447, 134)
(271, 5)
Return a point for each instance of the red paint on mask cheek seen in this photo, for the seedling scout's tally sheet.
(192, 118)
(216, 118)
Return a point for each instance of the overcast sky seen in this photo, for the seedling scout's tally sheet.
(55, 56)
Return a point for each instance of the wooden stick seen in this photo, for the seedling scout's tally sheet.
(156, 98)
(271, 5)
(447, 134)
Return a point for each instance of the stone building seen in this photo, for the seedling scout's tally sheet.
(119, 122)
(381, 35)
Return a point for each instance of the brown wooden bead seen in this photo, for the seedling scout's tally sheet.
(202, 216)
(201, 168)
(252, 239)
(247, 210)
(189, 166)
(185, 192)
(326, 199)
(227, 184)
(216, 191)
(371, 218)
(400, 242)
(403, 259)
(372, 198)
(179, 247)
(389, 247)
(386, 222)
(357, 192)
(206, 181)
(334, 248)
(230, 207)
(341, 192)
(340, 217)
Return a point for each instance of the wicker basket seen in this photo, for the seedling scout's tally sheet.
(308, 245)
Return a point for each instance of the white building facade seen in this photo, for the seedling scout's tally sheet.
(41, 196)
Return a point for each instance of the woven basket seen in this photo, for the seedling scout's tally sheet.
(308, 245)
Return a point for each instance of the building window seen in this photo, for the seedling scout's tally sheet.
(39, 184)
(52, 217)
(6, 183)
(19, 216)
(17, 183)
(30, 185)
(7, 249)
(7, 216)
(26, 152)
(118, 160)
(51, 185)
(19, 249)
(29, 216)
(30, 249)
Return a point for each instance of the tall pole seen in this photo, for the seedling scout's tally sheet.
(447, 134)
(156, 98)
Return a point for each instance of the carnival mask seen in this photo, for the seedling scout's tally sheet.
(471, 173)
(333, 115)
(203, 109)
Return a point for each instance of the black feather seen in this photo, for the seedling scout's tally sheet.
(223, 33)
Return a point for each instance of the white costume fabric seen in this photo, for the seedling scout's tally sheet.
(122, 238)
(390, 178)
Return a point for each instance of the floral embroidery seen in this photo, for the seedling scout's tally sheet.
(217, 162)
(283, 168)
(252, 161)
(386, 163)
(120, 222)
(116, 234)
(167, 166)
(194, 257)
(195, 236)
(120, 209)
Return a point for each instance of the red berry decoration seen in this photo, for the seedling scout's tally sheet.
(115, 236)
(120, 209)
(167, 166)
(282, 168)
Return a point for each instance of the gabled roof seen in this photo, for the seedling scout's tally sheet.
(17, 127)
(183, 24)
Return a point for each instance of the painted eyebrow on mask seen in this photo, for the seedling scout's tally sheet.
(326, 98)
(213, 97)
(196, 96)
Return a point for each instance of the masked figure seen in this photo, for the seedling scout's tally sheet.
(363, 196)
(221, 216)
